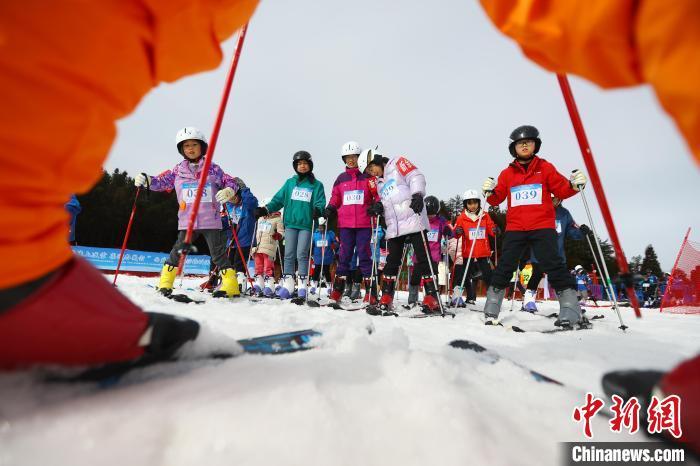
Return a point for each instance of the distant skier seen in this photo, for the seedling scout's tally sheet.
(527, 184)
(303, 198)
(583, 285)
(350, 198)
(324, 248)
(220, 188)
(269, 231)
(401, 187)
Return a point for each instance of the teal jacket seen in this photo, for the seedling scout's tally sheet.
(299, 197)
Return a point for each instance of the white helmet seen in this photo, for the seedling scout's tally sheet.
(350, 148)
(190, 132)
(578, 268)
(366, 157)
(471, 194)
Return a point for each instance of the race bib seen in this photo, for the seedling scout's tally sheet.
(236, 214)
(581, 281)
(189, 192)
(432, 236)
(354, 197)
(526, 194)
(265, 227)
(389, 189)
(322, 243)
(558, 226)
(646, 285)
(473, 234)
(301, 194)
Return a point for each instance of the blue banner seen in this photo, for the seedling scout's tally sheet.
(138, 261)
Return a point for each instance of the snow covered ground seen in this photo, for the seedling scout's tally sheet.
(399, 396)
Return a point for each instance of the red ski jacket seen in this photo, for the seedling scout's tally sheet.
(529, 194)
(482, 248)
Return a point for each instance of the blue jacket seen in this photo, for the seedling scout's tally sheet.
(73, 208)
(331, 243)
(244, 216)
(566, 228)
(583, 281)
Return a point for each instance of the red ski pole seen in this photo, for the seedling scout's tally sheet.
(598, 189)
(212, 147)
(126, 237)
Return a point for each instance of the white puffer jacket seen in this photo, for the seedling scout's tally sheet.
(401, 180)
(268, 226)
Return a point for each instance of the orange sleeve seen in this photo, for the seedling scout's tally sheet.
(68, 71)
(614, 44)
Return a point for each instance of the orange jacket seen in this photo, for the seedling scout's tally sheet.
(615, 43)
(68, 72)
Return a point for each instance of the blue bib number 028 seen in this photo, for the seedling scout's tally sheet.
(526, 194)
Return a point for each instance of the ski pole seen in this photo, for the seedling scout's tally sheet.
(605, 266)
(597, 264)
(321, 275)
(515, 285)
(187, 244)
(429, 258)
(126, 236)
(238, 247)
(308, 264)
(373, 275)
(598, 189)
(403, 259)
(458, 249)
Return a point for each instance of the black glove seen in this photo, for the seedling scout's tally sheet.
(330, 211)
(261, 212)
(318, 213)
(376, 209)
(585, 230)
(417, 203)
(447, 231)
(459, 231)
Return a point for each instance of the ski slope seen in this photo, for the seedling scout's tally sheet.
(399, 396)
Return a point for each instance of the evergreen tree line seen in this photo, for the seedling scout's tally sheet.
(107, 207)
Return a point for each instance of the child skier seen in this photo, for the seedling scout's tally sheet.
(241, 213)
(439, 228)
(583, 283)
(401, 187)
(350, 198)
(269, 231)
(527, 184)
(303, 198)
(220, 188)
(467, 235)
(325, 244)
(566, 228)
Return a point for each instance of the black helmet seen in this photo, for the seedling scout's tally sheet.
(432, 205)
(302, 155)
(524, 132)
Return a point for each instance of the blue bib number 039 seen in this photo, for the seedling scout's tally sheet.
(526, 194)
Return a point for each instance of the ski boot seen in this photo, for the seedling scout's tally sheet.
(385, 307)
(529, 305)
(569, 310)
(211, 283)
(270, 287)
(258, 285)
(370, 292)
(492, 321)
(301, 287)
(356, 292)
(167, 278)
(471, 301)
(348, 290)
(229, 285)
(338, 288)
(242, 282)
(287, 288)
(313, 288)
(431, 303)
(494, 299)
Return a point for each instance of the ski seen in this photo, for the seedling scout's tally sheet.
(495, 357)
(279, 343)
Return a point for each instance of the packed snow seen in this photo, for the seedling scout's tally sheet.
(396, 396)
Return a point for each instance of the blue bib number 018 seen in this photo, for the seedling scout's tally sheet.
(526, 194)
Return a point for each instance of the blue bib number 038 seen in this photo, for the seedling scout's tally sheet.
(526, 194)
(189, 192)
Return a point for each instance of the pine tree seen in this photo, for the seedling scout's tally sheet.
(651, 262)
(635, 265)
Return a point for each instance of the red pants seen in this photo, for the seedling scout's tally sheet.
(264, 265)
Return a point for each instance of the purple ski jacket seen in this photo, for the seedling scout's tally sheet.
(184, 178)
(401, 180)
(351, 196)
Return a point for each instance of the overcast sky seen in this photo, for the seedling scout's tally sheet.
(433, 81)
